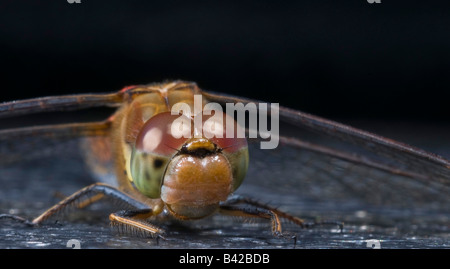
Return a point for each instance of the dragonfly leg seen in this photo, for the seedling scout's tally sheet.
(260, 212)
(135, 222)
(245, 200)
(86, 196)
(90, 200)
(248, 201)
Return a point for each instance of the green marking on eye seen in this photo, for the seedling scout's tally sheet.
(146, 176)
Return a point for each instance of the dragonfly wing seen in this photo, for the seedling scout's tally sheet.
(322, 161)
(59, 103)
(312, 173)
(34, 142)
(40, 136)
(386, 150)
(36, 163)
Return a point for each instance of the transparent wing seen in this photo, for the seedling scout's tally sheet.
(39, 156)
(33, 169)
(307, 175)
(29, 136)
(321, 163)
(59, 103)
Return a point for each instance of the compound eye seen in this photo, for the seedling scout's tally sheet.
(229, 136)
(159, 139)
(164, 134)
(225, 132)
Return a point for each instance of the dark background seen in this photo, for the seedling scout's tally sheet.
(332, 58)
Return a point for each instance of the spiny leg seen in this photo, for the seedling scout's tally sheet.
(82, 204)
(79, 199)
(253, 212)
(90, 200)
(245, 200)
(235, 210)
(132, 220)
(86, 196)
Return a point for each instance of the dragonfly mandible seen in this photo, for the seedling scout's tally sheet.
(149, 172)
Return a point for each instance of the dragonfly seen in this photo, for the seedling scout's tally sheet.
(138, 161)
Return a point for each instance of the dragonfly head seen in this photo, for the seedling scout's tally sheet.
(191, 175)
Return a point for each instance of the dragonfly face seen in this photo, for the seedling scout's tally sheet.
(190, 175)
